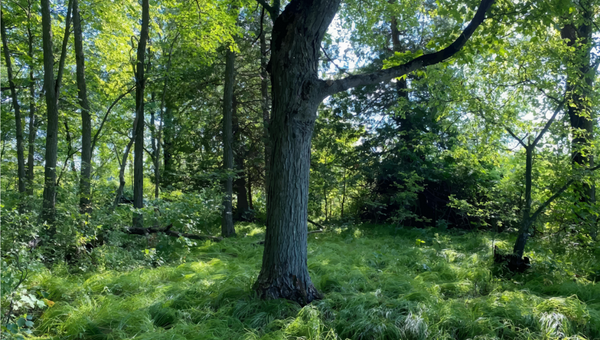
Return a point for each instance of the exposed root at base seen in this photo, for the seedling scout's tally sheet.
(290, 289)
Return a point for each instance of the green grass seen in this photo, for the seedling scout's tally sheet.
(378, 282)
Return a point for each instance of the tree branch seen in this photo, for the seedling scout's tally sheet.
(273, 11)
(97, 135)
(557, 194)
(548, 123)
(515, 136)
(333, 87)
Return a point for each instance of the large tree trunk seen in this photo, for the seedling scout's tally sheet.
(297, 93)
(138, 162)
(86, 120)
(296, 42)
(227, 228)
(19, 127)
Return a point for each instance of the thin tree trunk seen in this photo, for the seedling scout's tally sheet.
(162, 119)
(326, 203)
(240, 188)
(227, 228)
(239, 185)
(249, 181)
(32, 118)
(524, 231)
(264, 91)
(168, 145)
(18, 123)
(138, 163)
(70, 152)
(122, 171)
(343, 192)
(155, 160)
(63, 50)
(528, 219)
(86, 120)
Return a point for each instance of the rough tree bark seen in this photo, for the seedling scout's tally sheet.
(138, 162)
(297, 92)
(227, 228)
(86, 120)
(19, 127)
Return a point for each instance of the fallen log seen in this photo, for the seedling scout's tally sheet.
(315, 223)
(167, 230)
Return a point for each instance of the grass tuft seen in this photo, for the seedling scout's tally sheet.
(379, 283)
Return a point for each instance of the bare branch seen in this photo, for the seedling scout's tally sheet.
(97, 135)
(548, 123)
(515, 136)
(332, 87)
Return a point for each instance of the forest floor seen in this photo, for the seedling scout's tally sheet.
(378, 282)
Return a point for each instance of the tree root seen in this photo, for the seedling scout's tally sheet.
(290, 288)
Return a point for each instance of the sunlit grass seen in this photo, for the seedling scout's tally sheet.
(378, 282)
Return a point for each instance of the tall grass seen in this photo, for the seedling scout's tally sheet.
(379, 283)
